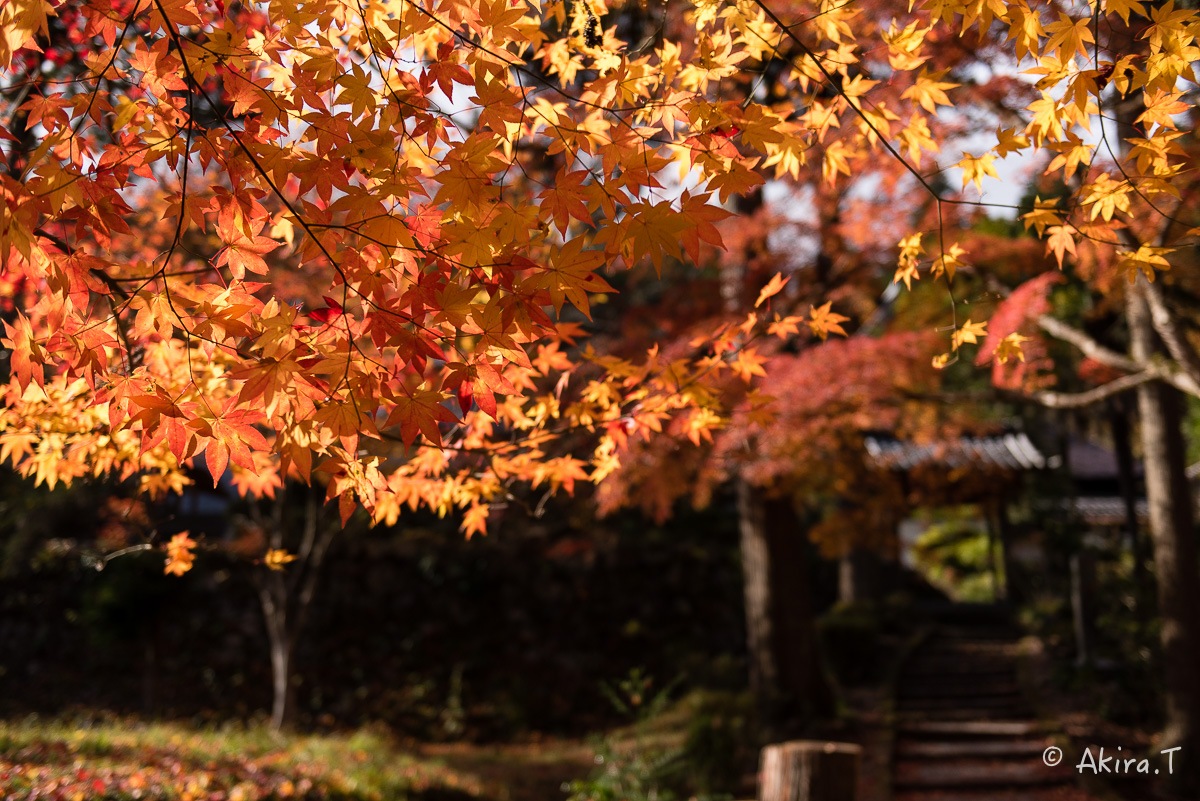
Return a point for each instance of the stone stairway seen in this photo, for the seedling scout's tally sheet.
(965, 732)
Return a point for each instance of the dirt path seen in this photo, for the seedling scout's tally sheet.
(518, 772)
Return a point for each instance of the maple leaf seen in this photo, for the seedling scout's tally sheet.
(949, 262)
(277, 558)
(571, 276)
(1124, 7)
(1009, 141)
(1044, 213)
(974, 168)
(1146, 259)
(910, 254)
(567, 199)
(330, 312)
(969, 333)
(1060, 241)
(749, 364)
(1068, 36)
(771, 289)
(180, 556)
(1072, 153)
(1161, 108)
(824, 322)
(1010, 347)
(784, 327)
(24, 352)
(1107, 196)
(230, 436)
(928, 91)
(475, 519)
(419, 411)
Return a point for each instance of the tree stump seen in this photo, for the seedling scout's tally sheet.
(809, 770)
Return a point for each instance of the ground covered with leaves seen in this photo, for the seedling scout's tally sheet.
(120, 759)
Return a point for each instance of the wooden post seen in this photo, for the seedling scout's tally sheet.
(809, 770)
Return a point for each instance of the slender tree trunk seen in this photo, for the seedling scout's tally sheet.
(286, 597)
(860, 576)
(1011, 588)
(785, 668)
(1169, 498)
(1118, 417)
(275, 614)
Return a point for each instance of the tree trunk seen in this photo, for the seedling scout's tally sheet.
(859, 579)
(1118, 418)
(280, 641)
(785, 670)
(1170, 504)
(286, 596)
(1010, 589)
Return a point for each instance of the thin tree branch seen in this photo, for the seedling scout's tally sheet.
(1076, 400)
(1087, 345)
(1164, 370)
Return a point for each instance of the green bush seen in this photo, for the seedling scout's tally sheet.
(651, 761)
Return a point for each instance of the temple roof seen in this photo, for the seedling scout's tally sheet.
(1012, 451)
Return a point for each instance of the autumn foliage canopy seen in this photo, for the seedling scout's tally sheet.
(363, 239)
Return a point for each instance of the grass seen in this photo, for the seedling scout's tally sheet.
(120, 759)
(108, 758)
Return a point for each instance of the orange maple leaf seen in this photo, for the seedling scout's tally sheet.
(772, 288)
(179, 554)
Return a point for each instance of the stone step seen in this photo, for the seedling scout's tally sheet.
(956, 687)
(1007, 633)
(951, 749)
(963, 715)
(969, 728)
(952, 663)
(966, 772)
(1064, 793)
(974, 641)
(983, 707)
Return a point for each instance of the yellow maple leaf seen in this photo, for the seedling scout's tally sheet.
(784, 327)
(747, 365)
(969, 333)
(1071, 154)
(1106, 197)
(772, 288)
(1068, 36)
(1009, 141)
(928, 91)
(1025, 27)
(1010, 347)
(276, 558)
(904, 46)
(1161, 107)
(1145, 259)
(475, 519)
(1044, 213)
(910, 255)
(949, 262)
(824, 322)
(1123, 7)
(974, 169)
(1060, 241)
(179, 554)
